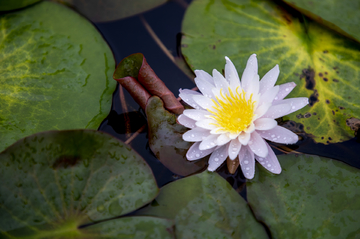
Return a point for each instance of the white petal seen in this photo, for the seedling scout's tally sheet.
(244, 138)
(217, 93)
(247, 162)
(265, 124)
(186, 121)
(196, 114)
(295, 103)
(234, 148)
(206, 124)
(231, 74)
(205, 87)
(195, 134)
(269, 79)
(250, 71)
(233, 135)
(195, 153)
(218, 131)
(222, 139)
(269, 95)
(262, 109)
(203, 101)
(279, 135)
(187, 96)
(253, 88)
(218, 157)
(209, 142)
(270, 162)
(204, 75)
(257, 145)
(276, 111)
(284, 90)
(220, 81)
(250, 129)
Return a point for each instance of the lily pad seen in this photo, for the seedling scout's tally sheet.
(54, 182)
(324, 65)
(110, 10)
(205, 206)
(313, 197)
(7, 5)
(55, 72)
(338, 15)
(165, 139)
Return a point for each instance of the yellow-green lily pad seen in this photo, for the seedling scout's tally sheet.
(55, 72)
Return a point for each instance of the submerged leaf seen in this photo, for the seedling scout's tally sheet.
(324, 65)
(55, 72)
(135, 74)
(205, 206)
(165, 139)
(54, 182)
(313, 197)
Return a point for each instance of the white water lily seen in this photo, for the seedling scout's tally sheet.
(231, 118)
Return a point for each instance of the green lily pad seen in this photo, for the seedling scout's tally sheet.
(338, 15)
(55, 72)
(165, 139)
(324, 65)
(205, 206)
(313, 197)
(7, 5)
(53, 182)
(110, 10)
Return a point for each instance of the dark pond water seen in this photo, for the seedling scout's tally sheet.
(129, 36)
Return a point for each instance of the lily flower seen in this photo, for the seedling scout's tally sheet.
(231, 118)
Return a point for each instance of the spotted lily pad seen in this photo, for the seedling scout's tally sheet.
(54, 182)
(324, 64)
(205, 206)
(338, 15)
(7, 5)
(55, 72)
(313, 197)
(165, 139)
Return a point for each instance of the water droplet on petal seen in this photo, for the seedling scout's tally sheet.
(197, 155)
(246, 162)
(269, 165)
(247, 168)
(287, 89)
(216, 159)
(192, 135)
(273, 136)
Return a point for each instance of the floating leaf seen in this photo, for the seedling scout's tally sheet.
(110, 10)
(165, 139)
(7, 5)
(55, 72)
(324, 64)
(56, 181)
(338, 15)
(137, 77)
(313, 197)
(205, 206)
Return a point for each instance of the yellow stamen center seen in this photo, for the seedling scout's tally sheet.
(233, 113)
